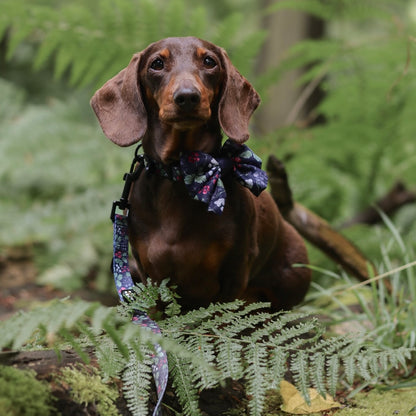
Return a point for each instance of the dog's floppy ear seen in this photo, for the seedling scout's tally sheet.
(119, 106)
(238, 102)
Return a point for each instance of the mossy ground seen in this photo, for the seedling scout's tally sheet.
(382, 403)
(18, 388)
(374, 403)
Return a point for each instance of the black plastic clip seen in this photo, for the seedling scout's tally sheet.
(123, 202)
(129, 178)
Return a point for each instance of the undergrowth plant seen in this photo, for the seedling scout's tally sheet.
(365, 68)
(59, 174)
(94, 40)
(205, 347)
(386, 305)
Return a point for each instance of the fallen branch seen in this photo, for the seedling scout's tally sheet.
(314, 228)
(395, 198)
(44, 362)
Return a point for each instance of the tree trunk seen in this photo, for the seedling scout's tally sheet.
(286, 28)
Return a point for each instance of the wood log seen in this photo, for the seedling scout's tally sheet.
(314, 228)
(43, 362)
(394, 199)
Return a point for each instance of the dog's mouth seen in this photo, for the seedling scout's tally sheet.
(181, 120)
(183, 124)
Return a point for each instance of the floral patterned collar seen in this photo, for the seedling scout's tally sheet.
(202, 173)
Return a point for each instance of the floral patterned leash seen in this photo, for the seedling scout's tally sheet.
(124, 285)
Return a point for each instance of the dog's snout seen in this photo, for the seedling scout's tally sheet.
(187, 98)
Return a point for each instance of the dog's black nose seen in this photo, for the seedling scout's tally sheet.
(187, 98)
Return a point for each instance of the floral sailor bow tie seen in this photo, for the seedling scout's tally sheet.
(201, 173)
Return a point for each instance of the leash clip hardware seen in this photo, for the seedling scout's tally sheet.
(129, 178)
(123, 202)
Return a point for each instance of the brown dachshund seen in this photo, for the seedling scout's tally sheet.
(177, 96)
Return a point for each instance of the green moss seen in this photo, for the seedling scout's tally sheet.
(86, 387)
(382, 403)
(21, 394)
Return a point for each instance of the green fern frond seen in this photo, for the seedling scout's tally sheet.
(299, 365)
(278, 364)
(295, 335)
(317, 372)
(332, 367)
(256, 376)
(182, 381)
(205, 377)
(137, 382)
(112, 362)
(350, 368)
(229, 358)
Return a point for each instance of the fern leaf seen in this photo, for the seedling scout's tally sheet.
(182, 382)
(46, 49)
(278, 364)
(317, 373)
(299, 365)
(362, 362)
(137, 379)
(116, 338)
(203, 352)
(256, 376)
(332, 368)
(111, 362)
(99, 316)
(27, 325)
(17, 35)
(294, 334)
(229, 358)
(349, 366)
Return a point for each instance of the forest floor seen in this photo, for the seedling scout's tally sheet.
(20, 291)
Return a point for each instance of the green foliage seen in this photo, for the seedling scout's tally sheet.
(57, 187)
(87, 388)
(137, 381)
(387, 312)
(20, 387)
(206, 347)
(93, 41)
(365, 68)
(59, 174)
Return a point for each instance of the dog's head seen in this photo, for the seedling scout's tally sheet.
(175, 85)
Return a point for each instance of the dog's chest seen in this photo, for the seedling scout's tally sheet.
(174, 236)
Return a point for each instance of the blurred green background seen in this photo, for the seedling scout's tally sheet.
(337, 78)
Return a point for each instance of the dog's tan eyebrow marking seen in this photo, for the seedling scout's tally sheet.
(164, 53)
(201, 52)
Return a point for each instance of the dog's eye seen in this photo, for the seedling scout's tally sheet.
(209, 62)
(157, 64)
